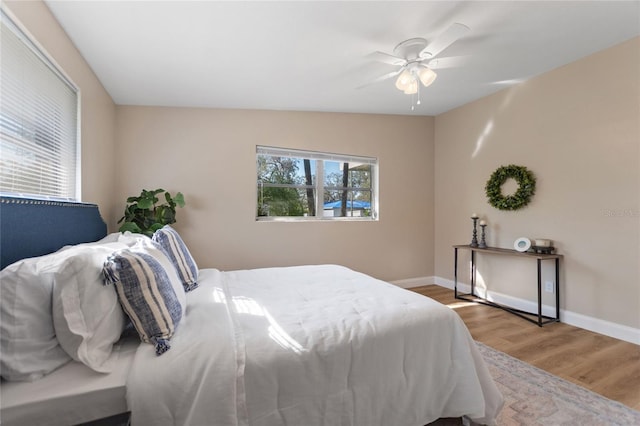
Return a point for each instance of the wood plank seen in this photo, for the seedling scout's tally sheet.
(603, 364)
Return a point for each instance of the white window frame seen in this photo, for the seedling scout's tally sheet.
(318, 186)
(64, 150)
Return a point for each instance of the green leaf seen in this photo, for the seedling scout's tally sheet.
(155, 227)
(131, 227)
(145, 203)
(164, 214)
(179, 199)
(143, 214)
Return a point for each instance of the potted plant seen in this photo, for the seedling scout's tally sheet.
(144, 216)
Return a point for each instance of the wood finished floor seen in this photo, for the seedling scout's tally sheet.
(605, 365)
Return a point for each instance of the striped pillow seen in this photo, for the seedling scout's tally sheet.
(179, 255)
(146, 294)
(143, 244)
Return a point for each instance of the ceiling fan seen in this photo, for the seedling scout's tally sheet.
(416, 57)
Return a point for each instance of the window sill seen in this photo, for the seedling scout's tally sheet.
(314, 219)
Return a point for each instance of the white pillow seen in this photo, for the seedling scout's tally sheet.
(111, 238)
(87, 316)
(131, 239)
(28, 345)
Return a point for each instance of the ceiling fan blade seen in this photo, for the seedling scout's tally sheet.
(444, 40)
(387, 58)
(447, 62)
(383, 77)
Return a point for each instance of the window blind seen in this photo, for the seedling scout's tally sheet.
(39, 111)
(314, 155)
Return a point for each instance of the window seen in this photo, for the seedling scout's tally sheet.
(39, 109)
(296, 184)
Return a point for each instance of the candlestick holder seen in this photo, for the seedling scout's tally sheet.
(483, 243)
(474, 240)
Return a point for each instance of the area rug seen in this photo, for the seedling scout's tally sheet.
(535, 397)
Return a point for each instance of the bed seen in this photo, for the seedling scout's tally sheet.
(306, 345)
(73, 393)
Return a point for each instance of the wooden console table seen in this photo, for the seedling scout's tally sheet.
(540, 319)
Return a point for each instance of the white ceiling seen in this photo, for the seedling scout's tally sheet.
(313, 55)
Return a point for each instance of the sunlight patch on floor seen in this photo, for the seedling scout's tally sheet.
(456, 305)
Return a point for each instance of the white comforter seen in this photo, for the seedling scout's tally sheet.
(311, 345)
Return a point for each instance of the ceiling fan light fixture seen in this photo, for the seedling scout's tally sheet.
(412, 88)
(427, 76)
(412, 57)
(404, 80)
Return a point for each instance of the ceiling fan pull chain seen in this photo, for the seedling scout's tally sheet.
(415, 98)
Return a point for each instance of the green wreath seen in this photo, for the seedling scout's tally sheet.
(526, 187)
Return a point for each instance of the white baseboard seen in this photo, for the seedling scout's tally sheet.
(414, 282)
(503, 299)
(619, 331)
(596, 325)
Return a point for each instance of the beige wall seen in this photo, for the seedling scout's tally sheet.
(209, 155)
(578, 129)
(98, 109)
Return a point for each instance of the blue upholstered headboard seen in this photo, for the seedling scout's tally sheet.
(30, 227)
